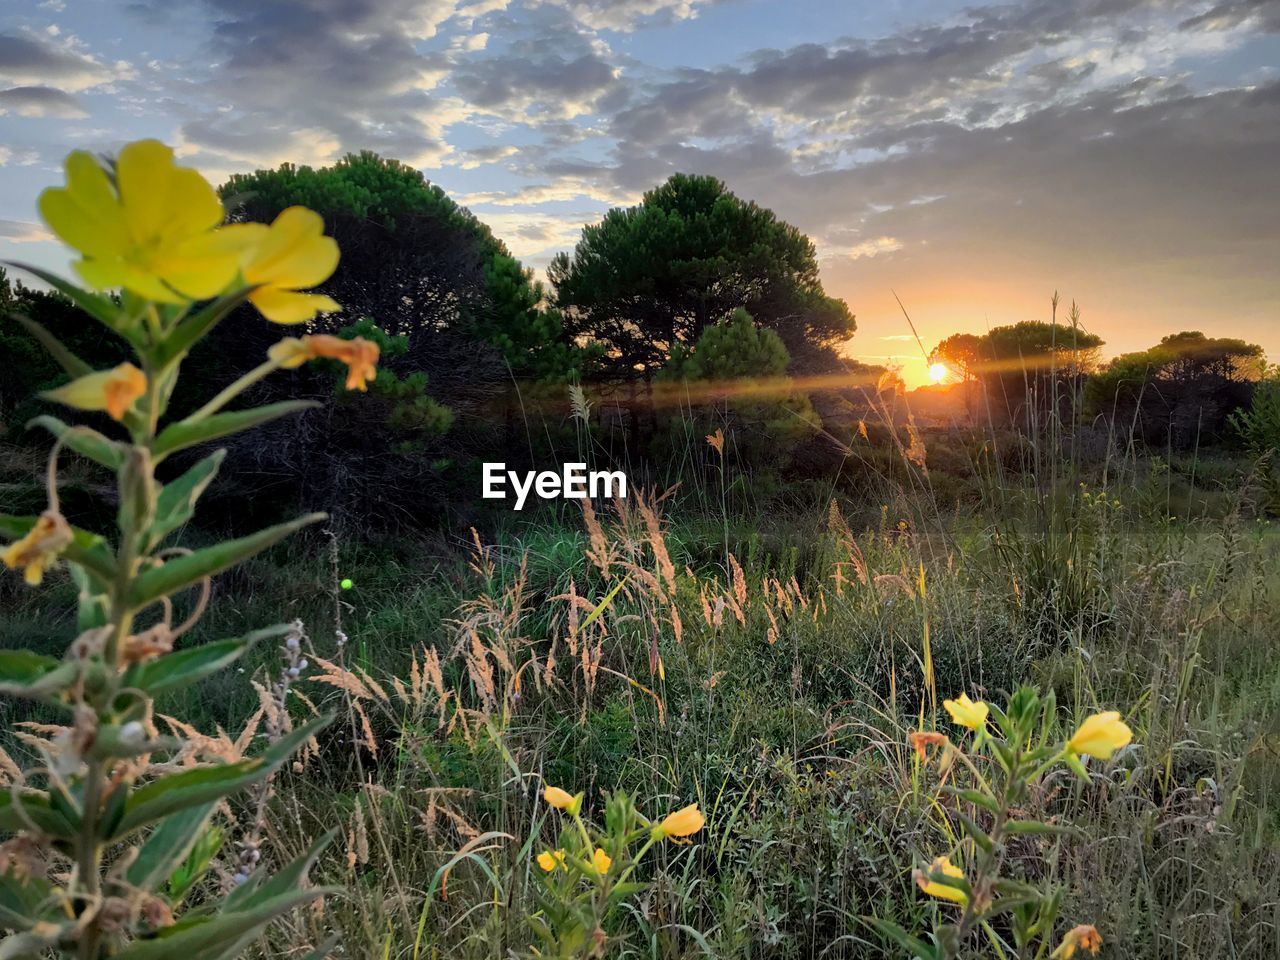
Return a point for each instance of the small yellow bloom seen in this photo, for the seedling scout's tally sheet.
(933, 888)
(548, 861)
(966, 712)
(360, 355)
(682, 823)
(561, 800)
(39, 549)
(601, 862)
(111, 390)
(290, 255)
(1083, 937)
(150, 228)
(1101, 735)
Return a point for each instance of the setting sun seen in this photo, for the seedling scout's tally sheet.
(938, 372)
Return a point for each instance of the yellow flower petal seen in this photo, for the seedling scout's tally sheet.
(287, 306)
(548, 861)
(601, 862)
(682, 823)
(39, 549)
(296, 253)
(111, 390)
(966, 712)
(1101, 735)
(560, 799)
(942, 865)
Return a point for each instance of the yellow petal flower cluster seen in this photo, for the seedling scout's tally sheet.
(150, 229)
(683, 823)
(112, 390)
(360, 356)
(1101, 735)
(156, 230)
(1082, 937)
(966, 712)
(40, 548)
(944, 866)
(281, 259)
(549, 861)
(601, 862)
(562, 800)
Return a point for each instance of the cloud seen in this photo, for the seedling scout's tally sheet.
(627, 15)
(41, 102)
(19, 231)
(549, 70)
(29, 59)
(868, 248)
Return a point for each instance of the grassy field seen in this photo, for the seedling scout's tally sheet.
(769, 667)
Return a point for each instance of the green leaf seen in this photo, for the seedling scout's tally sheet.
(186, 433)
(185, 570)
(1035, 826)
(85, 441)
(18, 668)
(67, 360)
(182, 669)
(48, 685)
(916, 947)
(169, 795)
(37, 810)
(177, 500)
(975, 832)
(190, 330)
(261, 884)
(975, 797)
(87, 549)
(221, 936)
(102, 309)
(168, 845)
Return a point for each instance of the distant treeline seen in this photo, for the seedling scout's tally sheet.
(690, 313)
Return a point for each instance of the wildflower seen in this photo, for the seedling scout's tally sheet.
(563, 800)
(360, 355)
(39, 549)
(921, 740)
(112, 390)
(1101, 735)
(966, 712)
(281, 259)
(683, 823)
(149, 229)
(943, 866)
(548, 861)
(601, 862)
(1082, 937)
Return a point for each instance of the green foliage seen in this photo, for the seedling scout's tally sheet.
(1258, 429)
(734, 380)
(651, 276)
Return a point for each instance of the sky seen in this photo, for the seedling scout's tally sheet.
(966, 160)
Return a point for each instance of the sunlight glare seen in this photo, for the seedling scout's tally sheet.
(938, 372)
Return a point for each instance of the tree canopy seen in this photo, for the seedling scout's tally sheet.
(658, 274)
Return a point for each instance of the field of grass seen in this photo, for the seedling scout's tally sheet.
(770, 668)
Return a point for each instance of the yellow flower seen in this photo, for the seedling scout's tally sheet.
(966, 712)
(39, 549)
(1101, 735)
(360, 355)
(279, 260)
(1083, 937)
(601, 862)
(112, 390)
(933, 888)
(682, 823)
(548, 861)
(562, 800)
(149, 229)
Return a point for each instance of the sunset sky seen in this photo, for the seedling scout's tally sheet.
(972, 159)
